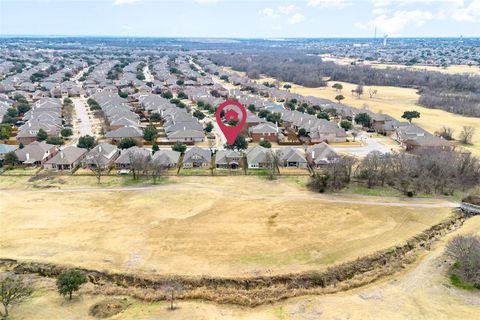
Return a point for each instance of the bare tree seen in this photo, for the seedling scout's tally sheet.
(97, 166)
(13, 290)
(157, 168)
(446, 133)
(172, 288)
(273, 161)
(466, 134)
(139, 163)
(372, 92)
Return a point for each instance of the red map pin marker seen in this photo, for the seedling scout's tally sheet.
(231, 132)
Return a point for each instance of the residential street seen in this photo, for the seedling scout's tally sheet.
(82, 121)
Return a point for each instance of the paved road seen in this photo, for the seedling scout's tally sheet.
(371, 144)
(363, 200)
(84, 126)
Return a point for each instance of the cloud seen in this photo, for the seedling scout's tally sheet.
(288, 13)
(328, 3)
(296, 18)
(393, 23)
(121, 2)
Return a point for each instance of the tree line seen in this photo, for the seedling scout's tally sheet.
(457, 93)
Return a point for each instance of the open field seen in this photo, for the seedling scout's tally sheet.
(421, 291)
(394, 101)
(195, 222)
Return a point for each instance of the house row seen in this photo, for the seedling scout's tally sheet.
(178, 123)
(122, 121)
(45, 114)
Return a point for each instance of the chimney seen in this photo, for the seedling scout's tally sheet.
(62, 155)
(184, 128)
(313, 154)
(99, 148)
(27, 156)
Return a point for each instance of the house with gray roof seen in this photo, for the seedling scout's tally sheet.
(67, 159)
(124, 161)
(228, 159)
(167, 158)
(291, 158)
(6, 148)
(103, 156)
(197, 158)
(258, 157)
(321, 154)
(124, 132)
(36, 153)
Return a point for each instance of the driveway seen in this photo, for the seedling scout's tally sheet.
(371, 144)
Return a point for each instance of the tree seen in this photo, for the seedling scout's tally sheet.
(70, 281)
(334, 176)
(338, 87)
(167, 95)
(198, 114)
(126, 143)
(23, 107)
(123, 94)
(465, 253)
(55, 140)
(155, 117)
(466, 134)
(5, 131)
(150, 133)
(66, 132)
(346, 125)
(323, 115)
(13, 290)
(179, 147)
(363, 119)
(302, 132)
(265, 144)
(372, 92)
(86, 142)
(239, 144)
(155, 148)
(354, 135)
(182, 95)
(287, 86)
(42, 135)
(410, 115)
(251, 107)
(446, 133)
(11, 112)
(10, 158)
(339, 98)
(172, 288)
(208, 127)
(358, 90)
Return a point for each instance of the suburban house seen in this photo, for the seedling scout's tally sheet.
(227, 159)
(427, 142)
(103, 156)
(321, 154)
(124, 161)
(197, 158)
(67, 159)
(167, 158)
(264, 131)
(259, 157)
(36, 153)
(125, 132)
(291, 158)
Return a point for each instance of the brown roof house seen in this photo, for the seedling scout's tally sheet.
(67, 159)
(36, 153)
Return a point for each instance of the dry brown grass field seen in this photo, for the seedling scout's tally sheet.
(195, 227)
(422, 291)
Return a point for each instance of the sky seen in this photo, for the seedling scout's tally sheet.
(241, 19)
